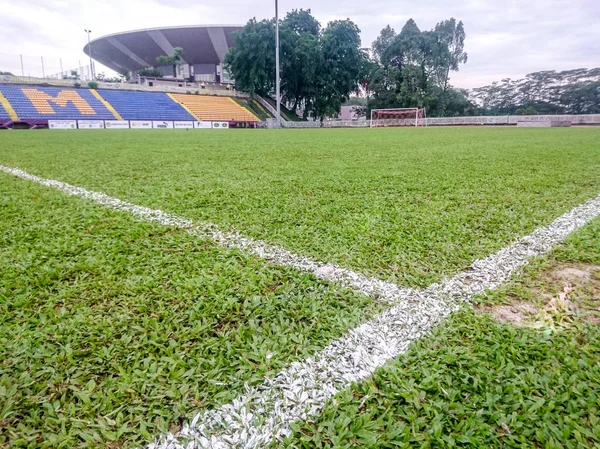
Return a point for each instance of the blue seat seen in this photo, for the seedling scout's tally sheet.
(42, 103)
(3, 114)
(145, 105)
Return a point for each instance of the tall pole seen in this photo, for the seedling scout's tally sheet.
(43, 71)
(277, 81)
(90, 50)
(22, 69)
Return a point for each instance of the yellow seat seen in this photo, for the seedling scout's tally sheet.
(215, 108)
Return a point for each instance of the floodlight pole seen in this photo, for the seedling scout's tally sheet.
(277, 81)
(90, 50)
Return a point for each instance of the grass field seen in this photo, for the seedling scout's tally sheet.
(478, 382)
(409, 205)
(114, 330)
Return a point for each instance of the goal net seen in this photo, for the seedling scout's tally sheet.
(397, 117)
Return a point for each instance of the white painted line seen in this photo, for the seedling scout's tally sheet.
(377, 289)
(264, 413)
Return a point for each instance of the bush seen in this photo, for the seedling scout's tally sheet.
(150, 72)
(77, 84)
(93, 85)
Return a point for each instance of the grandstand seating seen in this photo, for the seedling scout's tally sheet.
(35, 103)
(215, 108)
(145, 105)
(3, 114)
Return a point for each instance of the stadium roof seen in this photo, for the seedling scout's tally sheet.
(133, 50)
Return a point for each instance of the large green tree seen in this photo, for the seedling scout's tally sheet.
(252, 60)
(173, 60)
(339, 69)
(412, 68)
(319, 69)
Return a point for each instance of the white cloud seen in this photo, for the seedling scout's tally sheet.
(504, 39)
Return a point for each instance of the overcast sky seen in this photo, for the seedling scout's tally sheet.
(507, 38)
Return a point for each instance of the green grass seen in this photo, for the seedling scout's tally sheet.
(112, 330)
(476, 382)
(408, 205)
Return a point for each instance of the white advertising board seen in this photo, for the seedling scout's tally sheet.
(162, 125)
(202, 125)
(116, 124)
(62, 124)
(220, 125)
(140, 124)
(181, 125)
(90, 124)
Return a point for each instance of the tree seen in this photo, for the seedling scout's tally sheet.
(412, 68)
(299, 45)
(526, 111)
(301, 21)
(339, 71)
(451, 38)
(574, 91)
(5, 73)
(319, 67)
(124, 74)
(385, 39)
(252, 60)
(72, 76)
(150, 72)
(174, 59)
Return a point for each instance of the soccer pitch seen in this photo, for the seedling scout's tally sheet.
(115, 329)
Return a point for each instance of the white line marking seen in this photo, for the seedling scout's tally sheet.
(264, 413)
(382, 291)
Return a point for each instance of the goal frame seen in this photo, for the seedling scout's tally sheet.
(419, 114)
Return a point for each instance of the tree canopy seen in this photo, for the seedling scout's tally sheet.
(320, 67)
(412, 68)
(174, 59)
(574, 91)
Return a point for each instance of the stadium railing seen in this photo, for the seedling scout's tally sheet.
(189, 89)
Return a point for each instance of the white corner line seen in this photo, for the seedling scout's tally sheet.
(379, 290)
(264, 413)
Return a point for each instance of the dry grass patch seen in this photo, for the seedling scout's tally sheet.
(556, 297)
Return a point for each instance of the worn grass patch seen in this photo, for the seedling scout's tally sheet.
(480, 382)
(556, 290)
(112, 331)
(408, 205)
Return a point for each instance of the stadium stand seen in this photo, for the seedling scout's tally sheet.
(35, 103)
(145, 105)
(214, 108)
(3, 113)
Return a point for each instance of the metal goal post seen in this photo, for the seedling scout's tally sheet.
(397, 117)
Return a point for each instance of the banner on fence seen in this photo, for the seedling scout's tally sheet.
(140, 124)
(181, 125)
(62, 124)
(202, 125)
(220, 125)
(90, 124)
(162, 125)
(116, 124)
